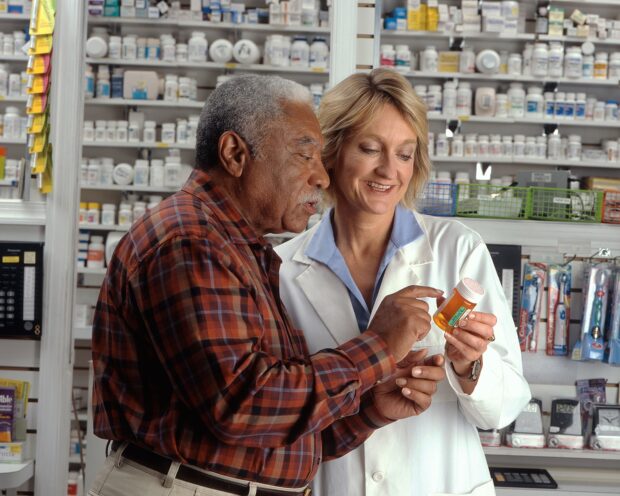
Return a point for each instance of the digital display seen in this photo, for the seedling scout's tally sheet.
(564, 408)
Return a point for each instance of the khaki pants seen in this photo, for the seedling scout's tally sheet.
(122, 477)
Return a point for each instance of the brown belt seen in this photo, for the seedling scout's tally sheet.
(161, 464)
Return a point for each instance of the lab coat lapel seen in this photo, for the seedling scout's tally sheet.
(330, 300)
(406, 267)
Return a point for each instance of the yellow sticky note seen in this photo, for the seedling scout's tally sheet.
(46, 180)
(43, 17)
(39, 161)
(38, 64)
(40, 45)
(36, 104)
(36, 122)
(38, 84)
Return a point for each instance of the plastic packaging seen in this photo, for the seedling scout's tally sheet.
(485, 101)
(488, 62)
(534, 102)
(95, 252)
(463, 299)
(540, 60)
(429, 59)
(516, 100)
(463, 100)
(197, 47)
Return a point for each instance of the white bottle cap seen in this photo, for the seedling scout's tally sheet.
(470, 290)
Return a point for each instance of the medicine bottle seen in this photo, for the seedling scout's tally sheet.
(92, 214)
(149, 135)
(464, 297)
(125, 216)
(108, 214)
(83, 212)
(600, 65)
(319, 53)
(95, 252)
(429, 59)
(388, 56)
(300, 52)
(156, 178)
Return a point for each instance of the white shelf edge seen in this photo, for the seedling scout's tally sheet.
(525, 161)
(137, 189)
(519, 120)
(82, 332)
(546, 233)
(4, 141)
(141, 144)
(390, 33)
(578, 39)
(8, 182)
(510, 78)
(209, 65)
(552, 453)
(87, 271)
(12, 99)
(19, 212)
(187, 23)
(593, 3)
(14, 17)
(101, 227)
(13, 58)
(13, 475)
(121, 102)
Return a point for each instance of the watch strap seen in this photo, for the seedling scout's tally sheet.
(473, 374)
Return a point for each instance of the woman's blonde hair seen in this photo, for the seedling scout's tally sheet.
(350, 105)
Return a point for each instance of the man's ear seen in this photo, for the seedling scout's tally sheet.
(234, 153)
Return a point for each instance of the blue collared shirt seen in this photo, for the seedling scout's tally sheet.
(323, 249)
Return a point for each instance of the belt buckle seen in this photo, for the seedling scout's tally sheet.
(308, 491)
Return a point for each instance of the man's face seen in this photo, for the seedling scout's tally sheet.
(283, 183)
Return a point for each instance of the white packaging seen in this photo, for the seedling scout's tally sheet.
(488, 62)
(149, 135)
(122, 131)
(467, 61)
(94, 175)
(197, 47)
(515, 64)
(540, 60)
(156, 179)
(556, 59)
(171, 88)
(108, 214)
(115, 47)
(221, 51)
(534, 102)
(141, 173)
(501, 105)
(463, 100)
(516, 100)
(457, 147)
(573, 63)
(123, 174)
(140, 85)
(168, 132)
(485, 101)
(449, 99)
(429, 59)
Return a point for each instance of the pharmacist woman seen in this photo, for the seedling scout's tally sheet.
(372, 244)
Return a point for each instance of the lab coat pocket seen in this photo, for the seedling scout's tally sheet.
(486, 489)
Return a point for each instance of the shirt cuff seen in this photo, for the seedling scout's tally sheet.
(369, 416)
(488, 381)
(370, 355)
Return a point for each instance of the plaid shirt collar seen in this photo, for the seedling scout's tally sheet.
(202, 186)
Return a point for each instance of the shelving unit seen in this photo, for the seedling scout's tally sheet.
(476, 76)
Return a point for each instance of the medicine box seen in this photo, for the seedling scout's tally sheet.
(11, 452)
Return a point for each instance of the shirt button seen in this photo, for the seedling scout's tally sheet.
(378, 476)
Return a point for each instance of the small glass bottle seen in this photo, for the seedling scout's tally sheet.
(464, 297)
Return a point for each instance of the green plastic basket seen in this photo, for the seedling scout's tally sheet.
(501, 202)
(568, 205)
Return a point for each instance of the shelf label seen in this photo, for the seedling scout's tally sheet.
(162, 145)
(317, 69)
(230, 65)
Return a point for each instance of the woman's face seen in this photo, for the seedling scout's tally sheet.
(375, 166)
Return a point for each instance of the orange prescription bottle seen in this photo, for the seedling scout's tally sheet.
(458, 305)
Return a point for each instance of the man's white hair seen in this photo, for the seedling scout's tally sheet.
(248, 105)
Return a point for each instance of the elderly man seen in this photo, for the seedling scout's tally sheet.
(201, 381)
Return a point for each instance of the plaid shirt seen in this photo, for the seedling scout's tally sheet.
(196, 359)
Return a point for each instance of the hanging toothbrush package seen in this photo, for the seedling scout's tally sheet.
(591, 345)
(531, 304)
(558, 309)
(613, 347)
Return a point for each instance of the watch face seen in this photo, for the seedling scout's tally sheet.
(609, 417)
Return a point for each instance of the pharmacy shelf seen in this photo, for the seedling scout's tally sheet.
(511, 78)
(121, 102)
(8, 182)
(209, 65)
(14, 58)
(75, 459)
(103, 227)
(578, 39)
(582, 454)
(546, 233)
(497, 120)
(216, 26)
(95, 272)
(526, 161)
(136, 189)
(389, 33)
(14, 17)
(13, 475)
(140, 144)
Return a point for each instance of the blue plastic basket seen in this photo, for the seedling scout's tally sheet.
(438, 199)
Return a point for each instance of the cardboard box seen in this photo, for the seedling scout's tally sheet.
(602, 183)
(448, 62)
(11, 452)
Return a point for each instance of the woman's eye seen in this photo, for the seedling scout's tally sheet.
(370, 151)
(406, 157)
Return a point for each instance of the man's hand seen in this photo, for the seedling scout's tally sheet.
(409, 391)
(402, 319)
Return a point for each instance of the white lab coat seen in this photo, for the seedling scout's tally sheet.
(438, 452)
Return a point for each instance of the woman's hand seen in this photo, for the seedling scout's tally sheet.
(409, 392)
(469, 340)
